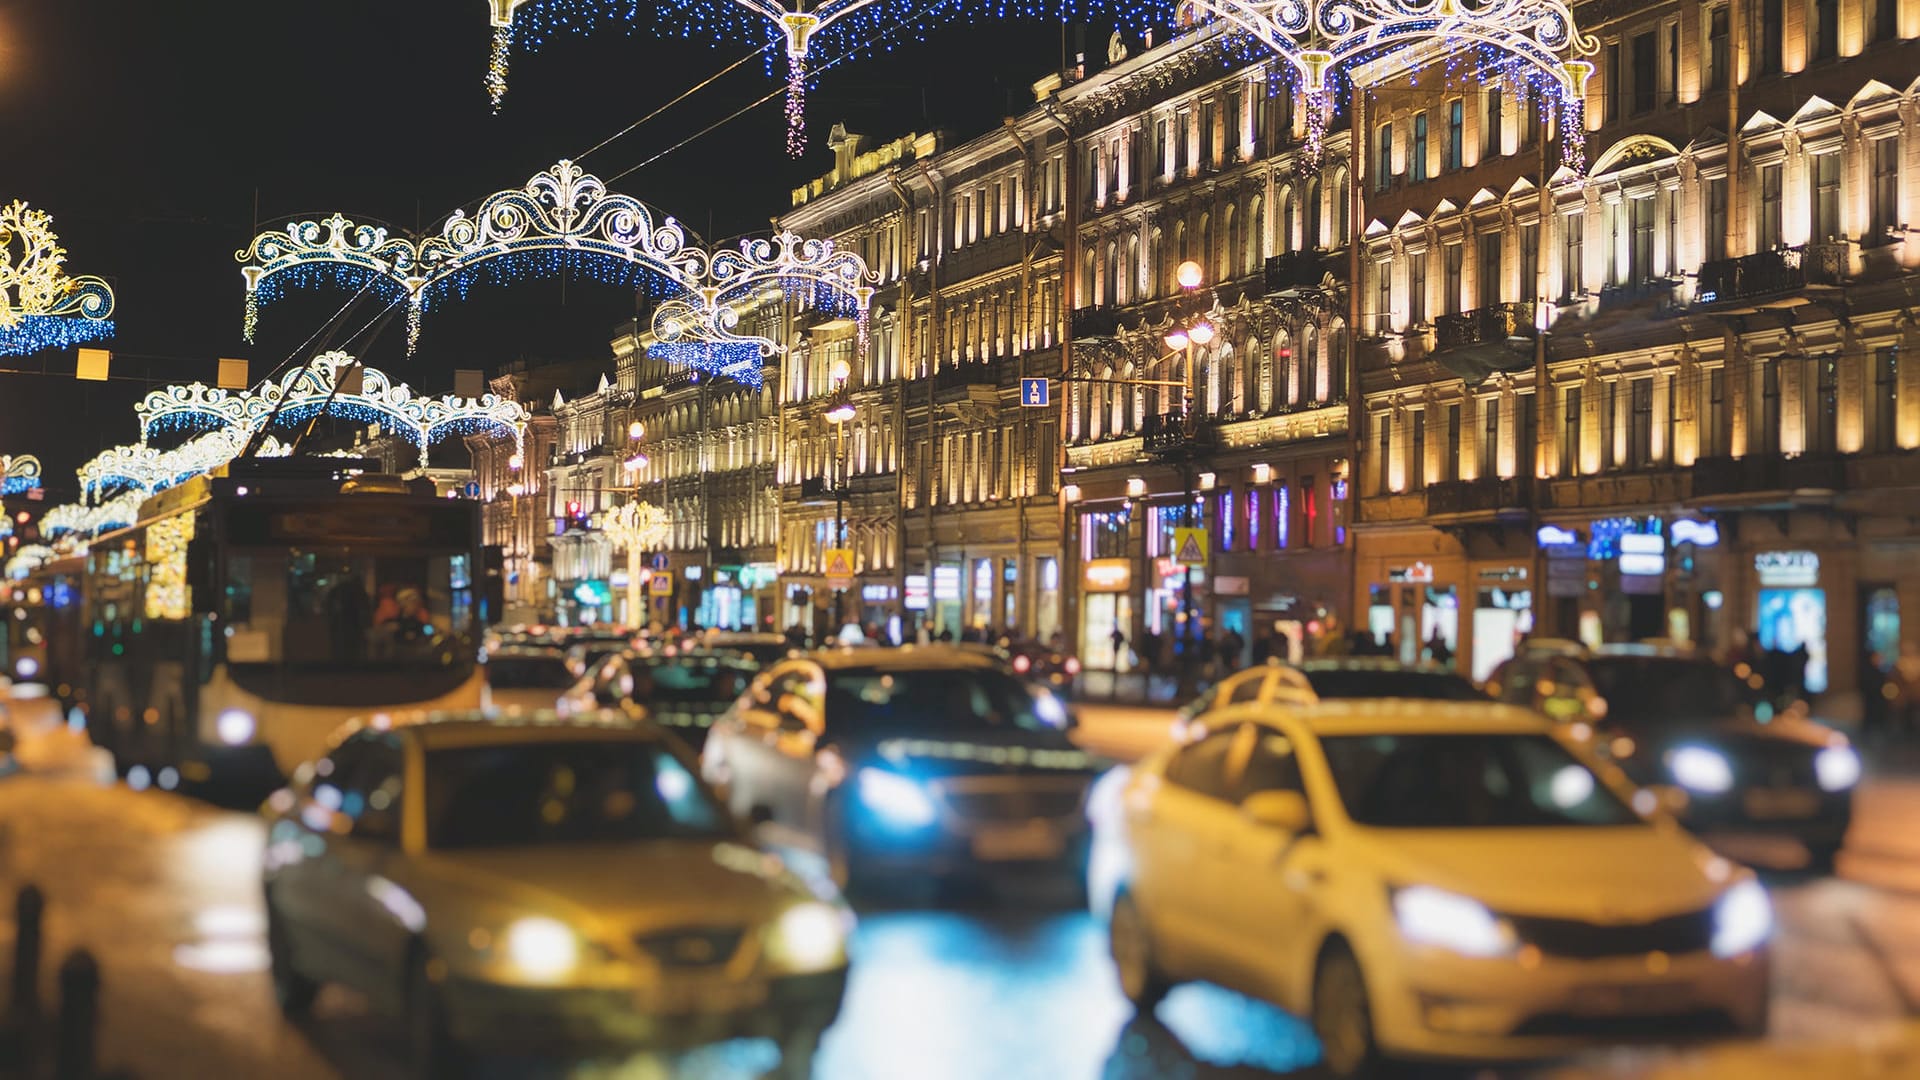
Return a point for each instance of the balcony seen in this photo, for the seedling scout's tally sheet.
(1298, 271)
(1168, 434)
(1492, 495)
(1758, 474)
(1766, 275)
(817, 491)
(977, 380)
(1656, 293)
(1477, 343)
(1094, 323)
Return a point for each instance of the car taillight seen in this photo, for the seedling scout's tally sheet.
(1021, 664)
(1073, 666)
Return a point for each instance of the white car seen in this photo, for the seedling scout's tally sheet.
(1425, 880)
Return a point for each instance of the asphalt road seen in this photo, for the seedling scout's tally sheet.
(165, 891)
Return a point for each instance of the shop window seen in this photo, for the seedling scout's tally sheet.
(1282, 515)
(1309, 511)
(1253, 519)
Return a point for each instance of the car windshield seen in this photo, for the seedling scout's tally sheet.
(690, 679)
(587, 792)
(1652, 690)
(1472, 781)
(943, 699)
(1392, 683)
(528, 673)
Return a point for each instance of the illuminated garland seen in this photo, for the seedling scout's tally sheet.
(40, 306)
(564, 221)
(19, 474)
(836, 28)
(1320, 37)
(29, 558)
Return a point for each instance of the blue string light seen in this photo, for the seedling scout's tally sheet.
(736, 360)
(37, 333)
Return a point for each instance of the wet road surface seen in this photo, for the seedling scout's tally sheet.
(165, 891)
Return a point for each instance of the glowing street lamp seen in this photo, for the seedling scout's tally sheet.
(1188, 275)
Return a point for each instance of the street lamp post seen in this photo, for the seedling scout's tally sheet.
(1185, 339)
(838, 415)
(515, 489)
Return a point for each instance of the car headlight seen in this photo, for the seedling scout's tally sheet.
(1431, 916)
(808, 937)
(1837, 768)
(1742, 919)
(234, 726)
(542, 949)
(897, 800)
(1697, 768)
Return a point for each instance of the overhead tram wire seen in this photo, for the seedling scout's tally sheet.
(682, 96)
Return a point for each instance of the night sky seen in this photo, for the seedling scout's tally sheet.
(151, 130)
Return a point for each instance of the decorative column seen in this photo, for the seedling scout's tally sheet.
(1907, 421)
(1686, 409)
(1739, 382)
(1851, 423)
(1793, 394)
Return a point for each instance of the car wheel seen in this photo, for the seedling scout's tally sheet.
(293, 991)
(1342, 1017)
(431, 1050)
(1140, 977)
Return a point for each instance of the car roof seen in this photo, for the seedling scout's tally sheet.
(441, 729)
(1405, 716)
(1372, 663)
(527, 652)
(1647, 650)
(908, 658)
(744, 637)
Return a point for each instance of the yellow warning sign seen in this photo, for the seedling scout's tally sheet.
(1190, 547)
(660, 585)
(839, 566)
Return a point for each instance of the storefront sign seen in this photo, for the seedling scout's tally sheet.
(946, 583)
(1552, 536)
(877, 594)
(694, 573)
(1642, 584)
(1698, 533)
(1503, 573)
(1643, 555)
(916, 596)
(1418, 574)
(1787, 569)
(1108, 575)
(758, 575)
(1230, 586)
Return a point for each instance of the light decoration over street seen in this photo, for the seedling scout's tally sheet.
(29, 558)
(565, 221)
(40, 306)
(19, 475)
(803, 31)
(1319, 39)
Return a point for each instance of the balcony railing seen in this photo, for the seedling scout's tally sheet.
(1771, 273)
(1171, 432)
(1489, 325)
(1759, 473)
(1479, 496)
(1297, 271)
(1094, 322)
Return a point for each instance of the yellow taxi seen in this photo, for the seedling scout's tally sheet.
(530, 882)
(1425, 880)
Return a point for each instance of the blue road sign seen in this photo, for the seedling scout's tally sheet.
(1035, 393)
(473, 489)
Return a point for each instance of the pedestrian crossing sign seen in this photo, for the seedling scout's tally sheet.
(839, 567)
(1190, 547)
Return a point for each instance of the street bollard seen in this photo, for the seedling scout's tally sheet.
(28, 909)
(79, 1017)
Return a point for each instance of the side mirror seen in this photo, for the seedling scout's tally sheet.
(1286, 811)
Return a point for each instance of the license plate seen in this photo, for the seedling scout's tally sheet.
(1773, 804)
(1635, 1000)
(693, 996)
(1005, 843)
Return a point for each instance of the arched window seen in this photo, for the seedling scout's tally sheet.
(1255, 235)
(1228, 248)
(1132, 288)
(1119, 406)
(1285, 241)
(1236, 357)
(1310, 238)
(1341, 206)
(1076, 402)
(1110, 287)
(1156, 253)
(1084, 291)
(1337, 360)
(1263, 378)
(1203, 243)
(1309, 362)
(1170, 261)
(1210, 366)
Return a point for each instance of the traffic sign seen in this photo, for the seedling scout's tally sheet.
(839, 566)
(660, 585)
(1190, 547)
(473, 489)
(1036, 393)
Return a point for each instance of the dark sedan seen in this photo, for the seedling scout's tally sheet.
(923, 762)
(682, 690)
(1678, 721)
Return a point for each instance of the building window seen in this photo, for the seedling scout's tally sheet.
(1226, 520)
(1532, 107)
(1572, 255)
(1253, 519)
(1640, 253)
(1451, 466)
(1487, 273)
(1716, 238)
(1385, 423)
(1383, 296)
(1826, 197)
(1616, 232)
(1490, 123)
(1529, 260)
(1718, 436)
(1717, 65)
(1646, 51)
(1640, 425)
(1670, 71)
(1456, 124)
(1489, 448)
(1671, 420)
(1886, 397)
(1615, 76)
(1417, 288)
(1283, 510)
(1453, 255)
(1769, 207)
(1309, 511)
(1609, 450)
(1526, 443)
(1886, 189)
(1417, 167)
(1886, 19)
(1207, 142)
(1772, 35)
(1383, 168)
(1768, 435)
(1826, 29)
(1417, 462)
(1824, 408)
(1570, 433)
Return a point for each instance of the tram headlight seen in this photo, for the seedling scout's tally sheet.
(234, 726)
